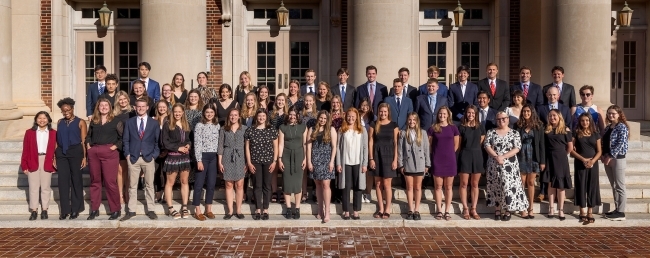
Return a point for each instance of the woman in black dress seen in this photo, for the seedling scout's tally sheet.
(324, 97)
(123, 111)
(180, 93)
(558, 145)
(586, 154)
(162, 114)
(245, 86)
(383, 158)
(139, 92)
(470, 159)
(532, 156)
(176, 140)
(263, 100)
(225, 103)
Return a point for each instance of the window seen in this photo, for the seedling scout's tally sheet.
(299, 60)
(266, 65)
(629, 74)
(436, 13)
(94, 56)
(128, 13)
(90, 13)
(128, 63)
(469, 56)
(473, 14)
(437, 55)
(298, 14)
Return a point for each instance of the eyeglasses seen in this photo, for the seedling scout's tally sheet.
(502, 119)
(585, 94)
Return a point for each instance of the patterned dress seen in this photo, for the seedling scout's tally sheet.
(309, 119)
(231, 148)
(504, 189)
(321, 153)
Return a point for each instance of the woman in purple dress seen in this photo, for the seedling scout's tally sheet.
(444, 141)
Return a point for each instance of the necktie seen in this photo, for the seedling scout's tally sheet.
(557, 86)
(310, 90)
(432, 104)
(141, 128)
(372, 93)
(398, 103)
(101, 88)
(493, 88)
(551, 107)
(483, 115)
(525, 90)
(343, 92)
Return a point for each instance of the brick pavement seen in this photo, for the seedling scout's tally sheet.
(317, 242)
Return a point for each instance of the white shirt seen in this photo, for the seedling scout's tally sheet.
(42, 138)
(552, 105)
(146, 83)
(143, 119)
(100, 85)
(311, 88)
(463, 87)
(352, 147)
(483, 113)
(406, 87)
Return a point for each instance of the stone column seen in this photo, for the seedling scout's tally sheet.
(8, 109)
(382, 36)
(27, 45)
(174, 38)
(584, 45)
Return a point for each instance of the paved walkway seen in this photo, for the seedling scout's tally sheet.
(324, 241)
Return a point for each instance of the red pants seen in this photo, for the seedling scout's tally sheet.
(103, 163)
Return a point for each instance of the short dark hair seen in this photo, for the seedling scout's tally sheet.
(371, 67)
(404, 69)
(342, 71)
(65, 101)
(557, 68)
(483, 92)
(100, 67)
(111, 77)
(524, 68)
(462, 68)
(49, 120)
(145, 64)
(396, 80)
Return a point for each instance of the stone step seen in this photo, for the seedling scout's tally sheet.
(367, 209)
(10, 154)
(16, 144)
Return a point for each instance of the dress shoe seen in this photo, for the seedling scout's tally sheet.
(115, 215)
(152, 215)
(63, 216)
(74, 215)
(33, 216)
(43, 214)
(127, 216)
(93, 215)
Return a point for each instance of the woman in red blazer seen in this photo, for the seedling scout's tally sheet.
(37, 162)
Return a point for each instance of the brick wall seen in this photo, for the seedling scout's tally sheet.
(515, 40)
(46, 52)
(344, 34)
(214, 42)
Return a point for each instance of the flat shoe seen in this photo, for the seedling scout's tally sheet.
(227, 216)
(210, 215)
(239, 216)
(199, 217)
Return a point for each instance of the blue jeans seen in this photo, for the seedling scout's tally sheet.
(209, 161)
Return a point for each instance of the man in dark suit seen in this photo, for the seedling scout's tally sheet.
(152, 87)
(567, 91)
(427, 106)
(461, 94)
(400, 105)
(497, 89)
(409, 90)
(552, 99)
(532, 91)
(372, 90)
(310, 86)
(94, 90)
(343, 89)
(486, 114)
(141, 138)
(433, 72)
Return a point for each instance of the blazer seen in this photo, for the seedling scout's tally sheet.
(363, 157)
(171, 139)
(459, 102)
(411, 157)
(543, 110)
(501, 98)
(427, 116)
(29, 157)
(153, 89)
(303, 89)
(147, 147)
(381, 92)
(535, 96)
(92, 95)
(442, 89)
(411, 92)
(567, 96)
(400, 115)
(539, 150)
(350, 92)
(490, 121)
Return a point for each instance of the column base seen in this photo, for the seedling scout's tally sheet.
(10, 112)
(30, 108)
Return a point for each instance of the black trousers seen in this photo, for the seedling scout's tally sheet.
(70, 181)
(587, 186)
(159, 179)
(207, 176)
(262, 185)
(352, 176)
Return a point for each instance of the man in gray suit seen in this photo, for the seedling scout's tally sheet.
(343, 89)
(567, 91)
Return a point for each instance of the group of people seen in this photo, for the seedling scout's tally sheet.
(344, 138)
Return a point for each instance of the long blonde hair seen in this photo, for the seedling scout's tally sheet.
(313, 108)
(437, 128)
(245, 111)
(117, 110)
(561, 127)
(418, 131)
(97, 118)
(285, 109)
(327, 137)
(159, 116)
(250, 82)
(172, 120)
(356, 126)
(377, 124)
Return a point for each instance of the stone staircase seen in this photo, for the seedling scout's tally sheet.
(14, 190)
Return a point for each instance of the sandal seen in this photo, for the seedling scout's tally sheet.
(590, 219)
(416, 216)
(385, 215)
(447, 216)
(304, 198)
(438, 216)
(475, 215)
(173, 213)
(582, 218)
(524, 214)
(274, 197)
(506, 216)
(184, 212)
(465, 214)
(530, 213)
(377, 215)
(497, 215)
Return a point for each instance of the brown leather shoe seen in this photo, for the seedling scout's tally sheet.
(539, 198)
(199, 217)
(210, 215)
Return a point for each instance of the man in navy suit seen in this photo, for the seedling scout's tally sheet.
(433, 72)
(486, 114)
(94, 90)
(532, 91)
(427, 106)
(567, 91)
(152, 87)
(400, 105)
(552, 99)
(141, 138)
(371, 90)
(310, 86)
(409, 91)
(461, 94)
(497, 89)
(343, 89)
